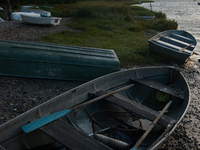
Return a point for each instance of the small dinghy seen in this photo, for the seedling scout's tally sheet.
(131, 109)
(177, 44)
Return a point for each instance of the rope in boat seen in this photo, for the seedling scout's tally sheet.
(109, 111)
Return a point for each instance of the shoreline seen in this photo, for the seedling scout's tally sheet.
(21, 94)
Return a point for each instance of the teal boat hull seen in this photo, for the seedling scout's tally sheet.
(52, 61)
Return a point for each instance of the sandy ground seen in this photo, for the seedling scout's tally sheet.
(18, 95)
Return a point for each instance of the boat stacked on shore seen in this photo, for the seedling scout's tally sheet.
(38, 11)
(38, 20)
(34, 15)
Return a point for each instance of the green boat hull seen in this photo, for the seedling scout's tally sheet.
(52, 61)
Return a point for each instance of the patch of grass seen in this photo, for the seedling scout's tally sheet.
(163, 24)
(114, 25)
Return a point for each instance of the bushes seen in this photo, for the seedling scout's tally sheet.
(160, 15)
(163, 24)
(102, 10)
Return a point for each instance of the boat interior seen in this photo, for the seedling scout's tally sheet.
(120, 120)
(178, 41)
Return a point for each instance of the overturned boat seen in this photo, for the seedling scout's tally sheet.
(128, 103)
(52, 61)
(177, 44)
(17, 15)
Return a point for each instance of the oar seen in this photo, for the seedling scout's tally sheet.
(165, 134)
(182, 49)
(151, 127)
(47, 119)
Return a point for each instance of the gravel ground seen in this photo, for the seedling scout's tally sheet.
(18, 95)
(18, 31)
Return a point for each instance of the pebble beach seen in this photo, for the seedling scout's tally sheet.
(18, 95)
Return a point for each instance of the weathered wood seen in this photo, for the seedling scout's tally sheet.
(71, 137)
(152, 125)
(164, 134)
(160, 87)
(137, 109)
(159, 37)
(182, 49)
(47, 119)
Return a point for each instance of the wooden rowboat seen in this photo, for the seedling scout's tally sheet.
(177, 44)
(120, 118)
(53, 61)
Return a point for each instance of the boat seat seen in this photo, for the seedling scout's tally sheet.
(136, 108)
(158, 86)
(181, 38)
(171, 46)
(176, 42)
(70, 137)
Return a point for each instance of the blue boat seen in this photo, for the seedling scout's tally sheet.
(177, 44)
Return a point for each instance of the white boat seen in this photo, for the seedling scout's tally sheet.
(17, 15)
(41, 12)
(41, 20)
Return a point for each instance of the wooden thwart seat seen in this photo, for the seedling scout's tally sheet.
(158, 86)
(181, 37)
(71, 137)
(137, 109)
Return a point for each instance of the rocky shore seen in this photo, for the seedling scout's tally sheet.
(18, 95)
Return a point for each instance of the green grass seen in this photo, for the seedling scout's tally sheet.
(113, 25)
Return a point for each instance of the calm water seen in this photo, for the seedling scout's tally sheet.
(185, 12)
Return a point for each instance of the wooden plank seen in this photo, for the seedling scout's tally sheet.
(47, 119)
(159, 37)
(160, 87)
(182, 49)
(137, 109)
(178, 43)
(71, 137)
(181, 38)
